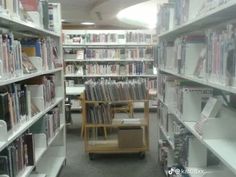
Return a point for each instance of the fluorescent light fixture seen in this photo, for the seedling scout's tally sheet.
(142, 14)
(87, 23)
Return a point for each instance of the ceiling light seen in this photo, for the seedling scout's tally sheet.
(142, 14)
(87, 23)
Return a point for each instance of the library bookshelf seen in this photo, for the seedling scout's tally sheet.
(112, 145)
(32, 91)
(115, 54)
(193, 67)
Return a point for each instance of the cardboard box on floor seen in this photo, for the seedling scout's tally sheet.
(130, 137)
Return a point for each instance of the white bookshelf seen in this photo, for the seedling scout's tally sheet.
(202, 81)
(214, 16)
(20, 25)
(87, 44)
(218, 135)
(41, 145)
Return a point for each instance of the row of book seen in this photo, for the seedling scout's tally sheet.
(18, 155)
(211, 5)
(144, 52)
(138, 68)
(220, 62)
(21, 153)
(183, 54)
(186, 97)
(100, 114)
(120, 37)
(210, 57)
(41, 13)
(122, 53)
(176, 13)
(46, 49)
(107, 90)
(19, 102)
(150, 83)
(165, 17)
(49, 124)
(26, 56)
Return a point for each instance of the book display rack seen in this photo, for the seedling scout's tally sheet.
(196, 88)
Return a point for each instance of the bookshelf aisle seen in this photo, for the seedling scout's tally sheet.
(114, 54)
(104, 132)
(196, 88)
(32, 124)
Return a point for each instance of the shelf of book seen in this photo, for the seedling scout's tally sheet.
(112, 76)
(222, 13)
(24, 26)
(109, 60)
(214, 144)
(105, 44)
(13, 134)
(202, 81)
(28, 76)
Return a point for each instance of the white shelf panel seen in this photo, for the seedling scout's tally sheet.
(109, 60)
(76, 108)
(52, 166)
(73, 75)
(25, 172)
(27, 76)
(219, 14)
(12, 135)
(39, 153)
(225, 150)
(167, 137)
(56, 134)
(75, 90)
(23, 26)
(37, 175)
(105, 44)
(202, 81)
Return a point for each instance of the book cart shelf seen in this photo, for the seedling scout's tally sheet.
(194, 69)
(106, 145)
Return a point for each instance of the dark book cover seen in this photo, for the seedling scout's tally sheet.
(4, 166)
(29, 142)
(4, 109)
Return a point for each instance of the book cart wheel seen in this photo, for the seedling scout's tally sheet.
(142, 155)
(91, 156)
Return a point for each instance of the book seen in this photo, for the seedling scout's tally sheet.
(29, 145)
(28, 66)
(30, 5)
(4, 109)
(4, 166)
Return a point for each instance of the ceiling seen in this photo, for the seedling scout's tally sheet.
(102, 12)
